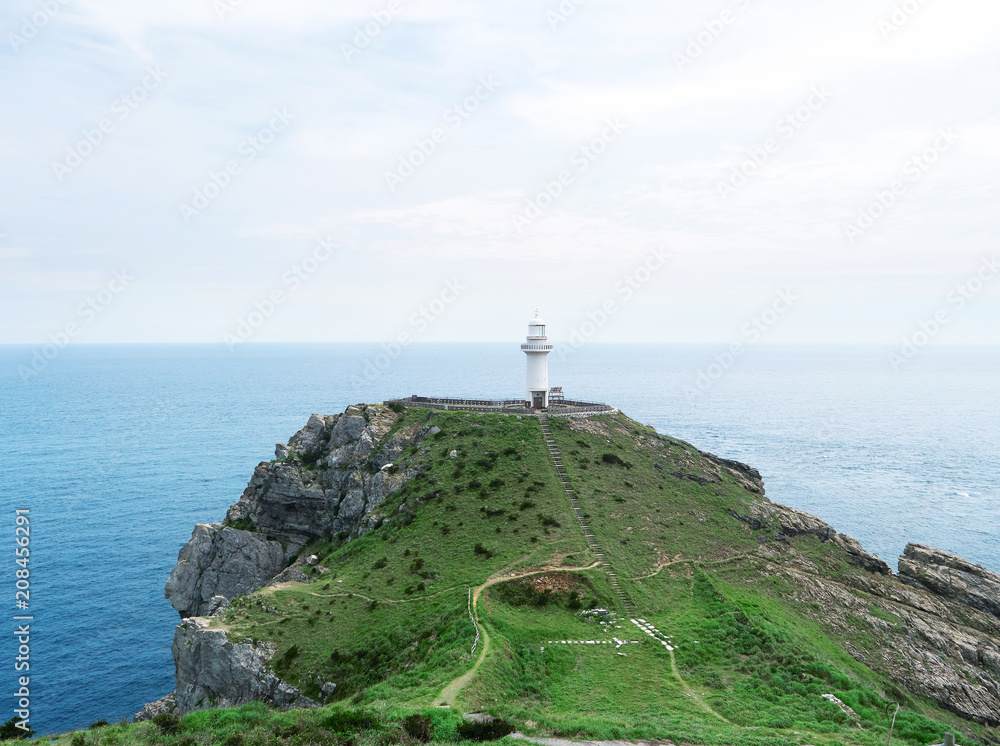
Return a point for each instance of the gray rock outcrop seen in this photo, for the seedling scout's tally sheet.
(226, 562)
(748, 477)
(161, 706)
(932, 646)
(328, 480)
(212, 671)
(784, 522)
(950, 576)
(332, 479)
(933, 629)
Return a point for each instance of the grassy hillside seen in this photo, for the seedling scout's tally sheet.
(719, 651)
(391, 608)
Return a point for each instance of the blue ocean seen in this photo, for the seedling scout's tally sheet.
(119, 450)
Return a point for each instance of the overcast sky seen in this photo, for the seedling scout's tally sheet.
(693, 165)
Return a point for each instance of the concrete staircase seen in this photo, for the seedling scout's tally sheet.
(574, 502)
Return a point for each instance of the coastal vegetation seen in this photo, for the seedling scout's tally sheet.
(699, 614)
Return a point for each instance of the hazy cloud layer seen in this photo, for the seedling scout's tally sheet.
(535, 151)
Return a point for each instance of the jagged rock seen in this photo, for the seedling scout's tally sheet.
(352, 438)
(311, 437)
(217, 605)
(280, 500)
(846, 709)
(937, 624)
(748, 477)
(951, 576)
(292, 574)
(334, 488)
(214, 672)
(788, 522)
(858, 556)
(150, 710)
(323, 483)
(223, 561)
(930, 645)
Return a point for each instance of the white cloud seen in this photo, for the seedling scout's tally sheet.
(656, 185)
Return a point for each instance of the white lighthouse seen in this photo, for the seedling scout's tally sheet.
(537, 348)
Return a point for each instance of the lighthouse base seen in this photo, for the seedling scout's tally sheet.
(537, 400)
(504, 406)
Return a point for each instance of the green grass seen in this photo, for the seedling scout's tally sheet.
(653, 504)
(257, 725)
(753, 661)
(496, 506)
(386, 617)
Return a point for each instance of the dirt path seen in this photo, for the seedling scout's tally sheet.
(690, 692)
(453, 688)
(565, 742)
(383, 600)
(660, 566)
(700, 563)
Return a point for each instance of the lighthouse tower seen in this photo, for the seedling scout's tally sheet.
(537, 348)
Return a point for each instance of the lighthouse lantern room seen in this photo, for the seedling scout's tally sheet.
(536, 348)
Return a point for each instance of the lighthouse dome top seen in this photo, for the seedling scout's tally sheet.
(537, 321)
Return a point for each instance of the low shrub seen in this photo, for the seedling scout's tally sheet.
(490, 730)
(349, 721)
(419, 727)
(168, 723)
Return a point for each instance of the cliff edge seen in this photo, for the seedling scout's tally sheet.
(468, 499)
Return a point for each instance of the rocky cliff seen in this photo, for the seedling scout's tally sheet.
(213, 671)
(933, 629)
(220, 563)
(327, 481)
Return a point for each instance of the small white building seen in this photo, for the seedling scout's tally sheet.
(537, 348)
